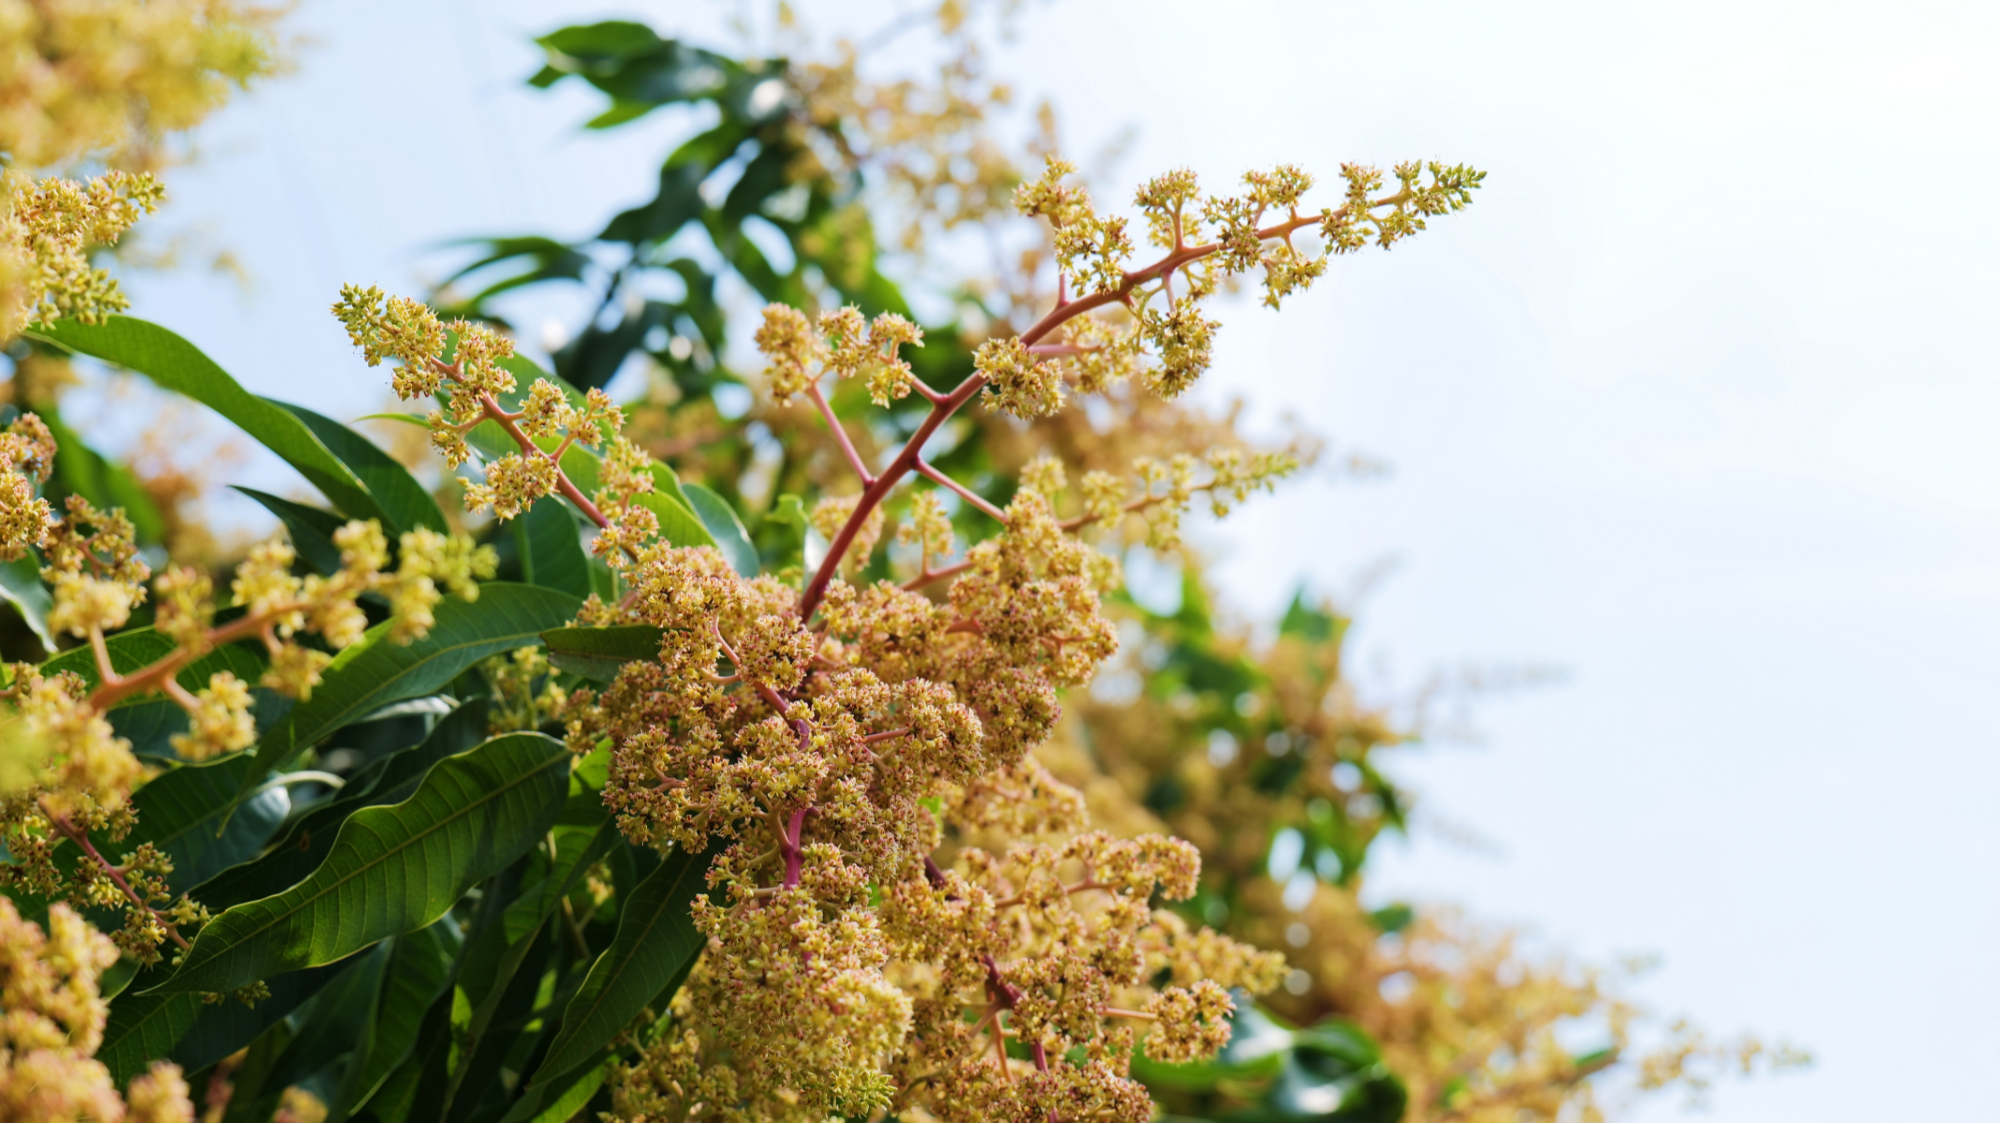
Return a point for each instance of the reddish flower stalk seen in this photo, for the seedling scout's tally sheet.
(81, 838)
(942, 408)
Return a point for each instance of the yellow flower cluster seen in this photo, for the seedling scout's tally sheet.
(827, 756)
(82, 78)
(27, 456)
(54, 1022)
(471, 384)
(834, 737)
(65, 774)
(1169, 342)
(47, 228)
(1057, 948)
(797, 351)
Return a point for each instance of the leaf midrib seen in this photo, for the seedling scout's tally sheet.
(366, 865)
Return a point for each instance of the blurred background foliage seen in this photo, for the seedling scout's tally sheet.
(811, 180)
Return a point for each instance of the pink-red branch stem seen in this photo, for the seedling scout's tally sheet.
(840, 433)
(944, 407)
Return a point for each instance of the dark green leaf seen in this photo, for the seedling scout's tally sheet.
(306, 844)
(378, 671)
(182, 1028)
(598, 653)
(552, 549)
(656, 938)
(311, 529)
(406, 505)
(180, 810)
(419, 967)
(392, 869)
(179, 366)
(339, 1014)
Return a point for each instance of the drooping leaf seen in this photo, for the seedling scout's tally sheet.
(377, 671)
(339, 1013)
(656, 938)
(727, 530)
(419, 967)
(180, 1027)
(180, 810)
(598, 653)
(392, 869)
(21, 586)
(406, 505)
(311, 529)
(178, 365)
(307, 842)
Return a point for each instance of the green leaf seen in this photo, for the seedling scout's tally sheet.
(419, 968)
(311, 529)
(339, 1014)
(727, 530)
(656, 938)
(377, 671)
(178, 365)
(563, 1104)
(140, 647)
(551, 548)
(303, 847)
(21, 586)
(151, 724)
(598, 653)
(180, 810)
(392, 869)
(194, 1034)
(406, 505)
(578, 846)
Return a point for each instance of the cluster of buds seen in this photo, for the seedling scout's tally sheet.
(464, 366)
(1167, 342)
(47, 228)
(66, 775)
(826, 738)
(27, 456)
(843, 343)
(54, 1023)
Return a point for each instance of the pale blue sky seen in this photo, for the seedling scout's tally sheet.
(1698, 403)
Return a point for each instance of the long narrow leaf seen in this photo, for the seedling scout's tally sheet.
(405, 503)
(392, 869)
(180, 366)
(419, 966)
(378, 671)
(307, 842)
(310, 528)
(552, 549)
(181, 1027)
(179, 811)
(656, 938)
(598, 653)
